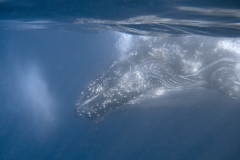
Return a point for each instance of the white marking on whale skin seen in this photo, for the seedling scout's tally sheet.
(160, 72)
(89, 100)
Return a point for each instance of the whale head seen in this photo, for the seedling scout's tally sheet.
(158, 76)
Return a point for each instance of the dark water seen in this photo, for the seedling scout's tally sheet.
(49, 52)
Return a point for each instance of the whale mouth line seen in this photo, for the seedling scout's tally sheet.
(89, 100)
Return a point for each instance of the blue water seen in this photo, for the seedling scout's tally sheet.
(50, 51)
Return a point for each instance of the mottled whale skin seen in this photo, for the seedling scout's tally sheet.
(157, 72)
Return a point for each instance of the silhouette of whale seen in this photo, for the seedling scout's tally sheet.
(157, 72)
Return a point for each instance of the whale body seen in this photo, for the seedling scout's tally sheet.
(157, 72)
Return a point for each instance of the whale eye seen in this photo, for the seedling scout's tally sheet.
(226, 79)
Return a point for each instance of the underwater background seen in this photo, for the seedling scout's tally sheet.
(50, 51)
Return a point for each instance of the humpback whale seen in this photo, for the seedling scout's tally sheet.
(156, 71)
